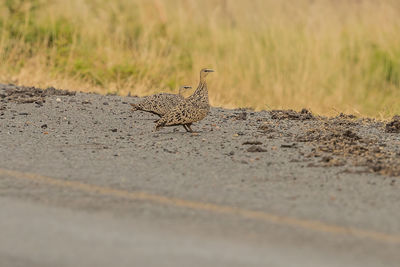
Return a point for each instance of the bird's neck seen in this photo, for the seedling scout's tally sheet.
(201, 93)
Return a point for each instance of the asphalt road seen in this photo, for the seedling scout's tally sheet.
(85, 182)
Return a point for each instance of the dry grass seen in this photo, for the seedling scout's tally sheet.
(327, 55)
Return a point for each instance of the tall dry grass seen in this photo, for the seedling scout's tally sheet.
(327, 55)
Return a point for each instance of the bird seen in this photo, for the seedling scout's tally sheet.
(189, 110)
(160, 104)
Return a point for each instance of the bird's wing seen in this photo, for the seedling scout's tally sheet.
(184, 112)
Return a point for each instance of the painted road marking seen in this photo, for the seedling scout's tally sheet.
(316, 226)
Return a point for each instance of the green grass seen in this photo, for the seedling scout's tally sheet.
(329, 56)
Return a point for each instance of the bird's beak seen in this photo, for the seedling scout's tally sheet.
(209, 70)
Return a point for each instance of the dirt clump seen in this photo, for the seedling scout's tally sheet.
(266, 128)
(242, 116)
(252, 143)
(345, 116)
(255, 148)
(394, 125)
(289, 145)
(290, 114)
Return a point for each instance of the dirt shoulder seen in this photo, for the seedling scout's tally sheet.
(357, 144)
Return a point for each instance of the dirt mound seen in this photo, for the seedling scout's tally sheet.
(345, 116)
(22, 94)
(290, 114)
(337, 145)
(328, 134)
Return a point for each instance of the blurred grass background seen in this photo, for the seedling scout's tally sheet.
(327, 55)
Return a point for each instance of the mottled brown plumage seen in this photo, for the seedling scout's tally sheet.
(189, 110)
(160, 104)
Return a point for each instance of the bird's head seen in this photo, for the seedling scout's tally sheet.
(184, 88)
(205, 72)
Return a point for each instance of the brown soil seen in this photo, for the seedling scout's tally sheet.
(394, 125)
(24, 94)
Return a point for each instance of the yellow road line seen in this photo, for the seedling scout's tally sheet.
(220, 209)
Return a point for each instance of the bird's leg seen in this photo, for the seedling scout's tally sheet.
(186, 127)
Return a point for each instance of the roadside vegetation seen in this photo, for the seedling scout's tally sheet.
(325, 55)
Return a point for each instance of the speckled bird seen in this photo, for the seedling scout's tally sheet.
(189, 110)
(160, 104)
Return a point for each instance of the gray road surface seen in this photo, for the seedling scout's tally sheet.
(85, 182)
